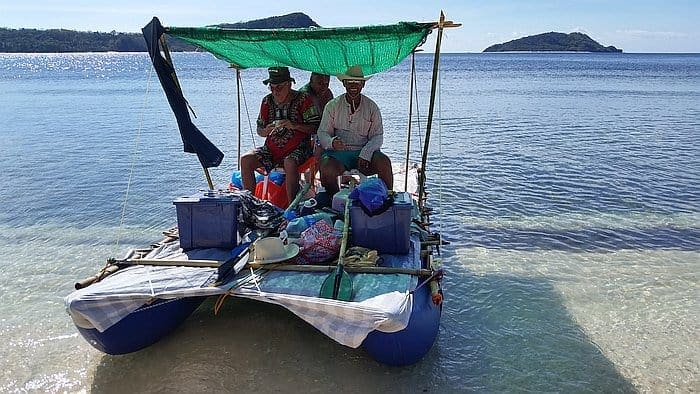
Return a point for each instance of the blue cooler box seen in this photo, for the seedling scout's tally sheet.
(387, 232)
(208, 220)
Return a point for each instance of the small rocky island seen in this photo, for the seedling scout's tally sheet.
(552, 41)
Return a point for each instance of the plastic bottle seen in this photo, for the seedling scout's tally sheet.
(296, 226)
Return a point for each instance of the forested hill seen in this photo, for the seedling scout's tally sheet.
(296, 19)
(62, 40)
(572, 42)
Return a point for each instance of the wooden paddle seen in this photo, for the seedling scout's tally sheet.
(338, 285)
(232, 266)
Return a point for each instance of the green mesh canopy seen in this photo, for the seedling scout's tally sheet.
(323, 50)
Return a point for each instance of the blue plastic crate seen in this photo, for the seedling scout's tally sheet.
(208, 220)
(388, 232)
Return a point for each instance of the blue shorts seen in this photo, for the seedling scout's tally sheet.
(347, 157)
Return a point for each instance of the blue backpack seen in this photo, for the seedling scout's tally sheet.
(372, 196)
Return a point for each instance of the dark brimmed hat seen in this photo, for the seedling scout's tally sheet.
(278, 75)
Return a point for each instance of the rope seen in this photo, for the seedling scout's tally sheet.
(240, 282)
(135, 155)
(219, 303)
(418, 129)
(245, 105)
(255, 280)
(150, 283)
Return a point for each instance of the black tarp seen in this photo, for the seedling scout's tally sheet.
(193, 139)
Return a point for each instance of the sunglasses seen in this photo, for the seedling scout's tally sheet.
(353, 82)
(277, 86)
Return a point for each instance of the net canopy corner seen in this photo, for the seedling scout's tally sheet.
(323, 50)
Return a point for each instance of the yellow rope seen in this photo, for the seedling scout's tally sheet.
(219, 303)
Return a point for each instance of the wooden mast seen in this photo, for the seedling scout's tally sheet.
(436, 62)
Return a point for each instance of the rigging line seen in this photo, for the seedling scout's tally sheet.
(150, 282)
(418, 129)
(247, 114)
(134, 156)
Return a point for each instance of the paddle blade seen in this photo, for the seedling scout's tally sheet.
(232, 266)
(337, 286)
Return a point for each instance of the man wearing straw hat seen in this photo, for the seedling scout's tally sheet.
(351, 133)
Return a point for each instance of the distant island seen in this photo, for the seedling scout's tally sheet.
(296, 19)
(552, 41)
(62, 40)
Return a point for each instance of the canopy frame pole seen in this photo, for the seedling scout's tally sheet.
(436, 62)
(238, 93)
(208, 176)
(410, 119)
(431, 109)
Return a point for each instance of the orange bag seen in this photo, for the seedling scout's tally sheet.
(276, 194)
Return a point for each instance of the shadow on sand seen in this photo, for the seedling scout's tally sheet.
(511, 333)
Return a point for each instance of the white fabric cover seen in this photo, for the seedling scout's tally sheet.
(103, 304)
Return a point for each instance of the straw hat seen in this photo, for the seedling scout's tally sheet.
(353, 73)
(271, 250)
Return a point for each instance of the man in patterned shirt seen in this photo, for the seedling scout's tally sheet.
(287, 120)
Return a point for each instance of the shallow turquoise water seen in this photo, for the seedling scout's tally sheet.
(567, 184)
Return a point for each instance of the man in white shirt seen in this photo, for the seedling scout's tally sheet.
(351, 134)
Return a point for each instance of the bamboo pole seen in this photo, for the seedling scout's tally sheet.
(355, 270)
(238, 92)
(103, 273)
(410, 119)
(436, 62)
(277, 267)
(208, 176)
(431, 108)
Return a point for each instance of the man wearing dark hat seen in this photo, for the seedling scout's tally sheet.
(287, 120)
(351, 132)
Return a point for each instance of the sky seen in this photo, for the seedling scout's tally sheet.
(663, 26)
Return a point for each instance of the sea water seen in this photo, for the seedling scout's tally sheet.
(568, 186)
